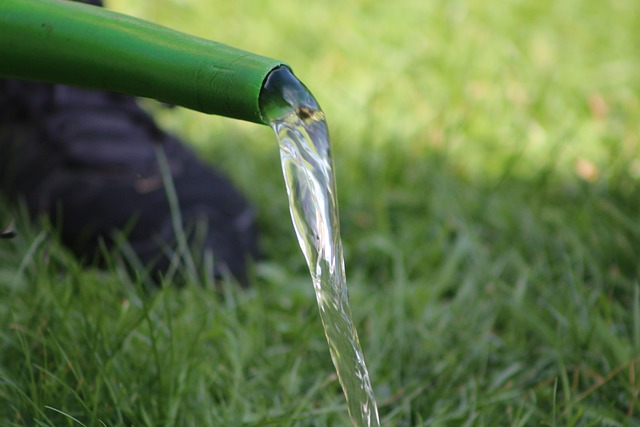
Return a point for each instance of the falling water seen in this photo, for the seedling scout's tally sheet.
(305, 153)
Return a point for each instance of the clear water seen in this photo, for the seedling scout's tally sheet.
(305, 153)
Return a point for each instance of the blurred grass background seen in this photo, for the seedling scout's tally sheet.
(488, 175)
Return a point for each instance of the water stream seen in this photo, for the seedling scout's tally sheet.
(305, 152)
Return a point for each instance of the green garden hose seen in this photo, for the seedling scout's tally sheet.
(60, 41)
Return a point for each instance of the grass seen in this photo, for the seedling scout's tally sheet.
(488, 170)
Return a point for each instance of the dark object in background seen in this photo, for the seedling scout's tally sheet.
(8, 234)
(88, 160)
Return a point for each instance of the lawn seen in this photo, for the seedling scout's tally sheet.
(488, 168)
